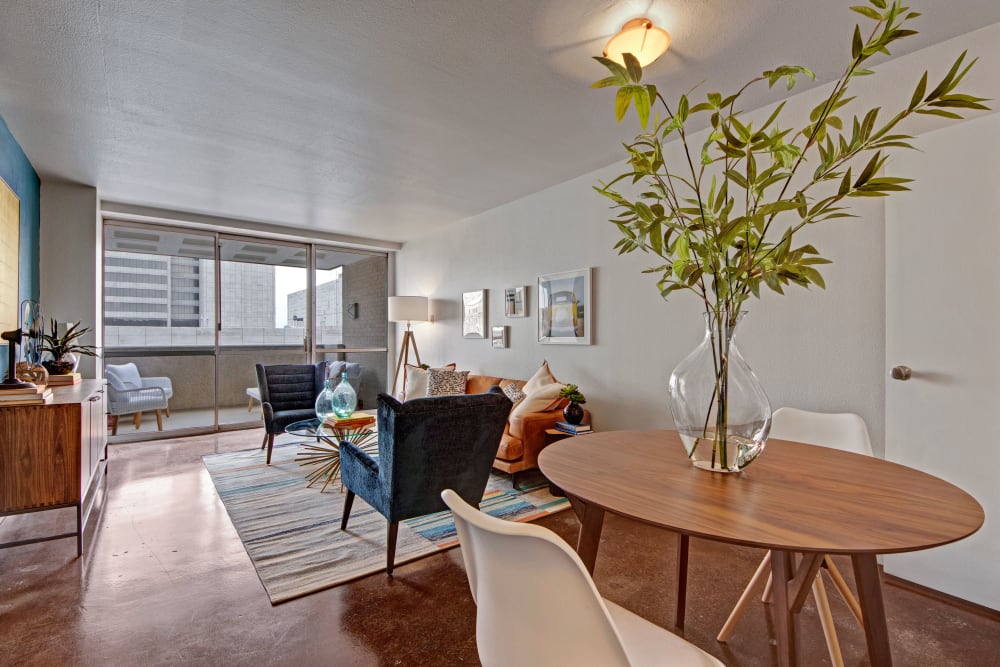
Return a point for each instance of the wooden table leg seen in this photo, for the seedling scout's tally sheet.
(682, 577)
(784, 623)
(591, 524)
(872, 608)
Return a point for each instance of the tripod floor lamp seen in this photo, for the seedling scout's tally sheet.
(407, 309)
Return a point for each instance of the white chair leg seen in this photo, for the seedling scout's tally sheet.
(845, 590)
(755, 583)
(826, 618)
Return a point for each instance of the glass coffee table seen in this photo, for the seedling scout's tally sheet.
(323, 455)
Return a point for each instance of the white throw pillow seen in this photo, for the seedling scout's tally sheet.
(415, 381)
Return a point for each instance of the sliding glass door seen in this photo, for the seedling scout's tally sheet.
(263, 318)
(193, 312)
(159, 329)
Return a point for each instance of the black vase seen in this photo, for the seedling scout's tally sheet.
(573, 413)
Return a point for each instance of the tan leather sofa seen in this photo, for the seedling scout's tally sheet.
(524, 437)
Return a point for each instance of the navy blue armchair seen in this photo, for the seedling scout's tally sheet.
(425, 445)
(287, 394)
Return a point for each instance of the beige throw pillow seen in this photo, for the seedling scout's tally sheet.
(415, 381)
(542, 377)
(542, 400)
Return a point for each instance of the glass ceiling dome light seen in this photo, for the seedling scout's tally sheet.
(640, 38)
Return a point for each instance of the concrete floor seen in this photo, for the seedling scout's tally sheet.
(164, 580)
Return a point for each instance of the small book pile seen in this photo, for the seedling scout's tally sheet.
(575, 429)
(27, 396)
(64, 380)
(355, 421)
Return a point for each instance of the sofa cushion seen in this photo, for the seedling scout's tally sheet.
(511, 448)
(126, 375)
(446, 382)
(480, 384)
(415, 381)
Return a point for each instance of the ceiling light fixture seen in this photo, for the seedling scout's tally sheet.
(640, 38)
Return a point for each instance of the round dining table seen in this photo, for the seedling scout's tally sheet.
(794, 499)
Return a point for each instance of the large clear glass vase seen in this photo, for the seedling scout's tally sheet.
(345, 399)
(324, 402)
(719, 407)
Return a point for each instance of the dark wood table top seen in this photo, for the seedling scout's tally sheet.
(795, 497)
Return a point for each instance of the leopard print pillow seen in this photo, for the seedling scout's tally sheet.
(445, 382)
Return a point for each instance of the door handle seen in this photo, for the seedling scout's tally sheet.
(901, 373)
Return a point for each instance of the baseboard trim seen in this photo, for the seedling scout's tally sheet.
(960, 603)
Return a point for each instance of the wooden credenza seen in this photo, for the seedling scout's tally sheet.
(53, 456)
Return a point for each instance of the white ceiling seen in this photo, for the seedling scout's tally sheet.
(382, 119)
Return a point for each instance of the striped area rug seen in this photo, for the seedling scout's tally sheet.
(292, 533)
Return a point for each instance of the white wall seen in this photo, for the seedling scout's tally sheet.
(819, 350)
(70, 244)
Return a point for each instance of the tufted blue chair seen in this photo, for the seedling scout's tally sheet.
(425, 446)
(287, 394)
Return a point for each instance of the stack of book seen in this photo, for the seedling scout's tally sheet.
(355, 421)
(575, 429)
(64, 380)
(39, 395)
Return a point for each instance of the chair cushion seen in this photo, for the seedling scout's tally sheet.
(442, 382)
(283, 418)
(127, 375)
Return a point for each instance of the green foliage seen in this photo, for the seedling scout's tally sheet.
(572, 393)
(724, 219)
(57, 345)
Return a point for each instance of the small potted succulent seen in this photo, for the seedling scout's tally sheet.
(573, 413)
(64, 349)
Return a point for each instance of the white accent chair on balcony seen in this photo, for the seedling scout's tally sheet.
(131, 394)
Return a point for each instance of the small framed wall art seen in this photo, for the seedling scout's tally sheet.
(499, 337)
(474, 314)
(564, 308)
(515, 302)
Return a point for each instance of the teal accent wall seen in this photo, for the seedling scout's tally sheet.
(18, 173)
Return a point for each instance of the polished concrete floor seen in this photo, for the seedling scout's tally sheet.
(164, 580)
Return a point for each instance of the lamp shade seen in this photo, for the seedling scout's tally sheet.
(407, 308)
(642, 39)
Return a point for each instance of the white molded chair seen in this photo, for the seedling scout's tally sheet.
(844, 431)
(550, 613)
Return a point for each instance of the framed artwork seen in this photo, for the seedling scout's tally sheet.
(474, 314)
(515, 301)
(10, 233)
(564, 308)
(499, 337)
